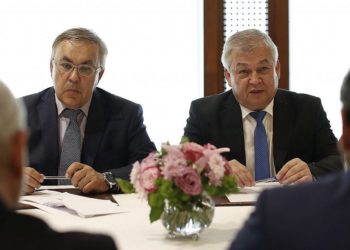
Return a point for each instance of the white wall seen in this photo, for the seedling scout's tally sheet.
(319, 51)
(155, 51)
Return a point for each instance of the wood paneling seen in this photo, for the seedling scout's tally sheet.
(279, 32)
(213, 42)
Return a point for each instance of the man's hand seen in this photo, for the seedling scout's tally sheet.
(86, 178)
(243, 176)
(294, 171)
(32, 180)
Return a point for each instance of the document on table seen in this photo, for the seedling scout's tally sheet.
(55, 187)
(249, 195)
(63, 203)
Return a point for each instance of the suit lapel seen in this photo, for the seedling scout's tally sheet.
(232, 129)
(283, 116)
(95, 126)
(47, 113)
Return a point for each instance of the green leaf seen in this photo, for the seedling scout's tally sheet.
(125, 186)
(155, 213)
(184, 139)
(165, 188)
(228, 185)
(184, 197)
(163, 152)
(155, 200)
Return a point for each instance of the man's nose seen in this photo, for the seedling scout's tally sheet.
(255, 78)
(74, 75)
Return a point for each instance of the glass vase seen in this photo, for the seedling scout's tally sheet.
(189, 220)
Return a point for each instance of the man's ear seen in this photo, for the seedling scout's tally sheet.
(278, 69)
(17, 149)
(228, 77)
(51, 67)
(346, 132)
(100, 74)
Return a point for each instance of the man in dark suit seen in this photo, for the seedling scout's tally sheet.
(310, 216)
(20, 231)
(299, 144)
(109, 134)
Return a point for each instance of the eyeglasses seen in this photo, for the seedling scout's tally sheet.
(83, 69)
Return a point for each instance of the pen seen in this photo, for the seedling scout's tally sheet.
(56, 178)
(271, 179)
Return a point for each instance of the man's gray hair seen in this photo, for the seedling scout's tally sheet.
(345, 95)
(12, 118)
(246, 41)
(78, 35)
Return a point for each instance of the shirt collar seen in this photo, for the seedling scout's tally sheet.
(268, 109)
(61, 107)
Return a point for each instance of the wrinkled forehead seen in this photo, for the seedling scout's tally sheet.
(254, 58)
(77, 51)
(262, 62)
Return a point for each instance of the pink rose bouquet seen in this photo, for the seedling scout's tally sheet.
(180, 174)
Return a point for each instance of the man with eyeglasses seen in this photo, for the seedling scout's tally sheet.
(20, 231)
(79, 133)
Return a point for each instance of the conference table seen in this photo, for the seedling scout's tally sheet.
(131, 228)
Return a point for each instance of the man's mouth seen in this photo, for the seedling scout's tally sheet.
(72, 91)
(256, 91)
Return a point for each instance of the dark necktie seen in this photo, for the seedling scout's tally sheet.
(71, 144)
(262, 168)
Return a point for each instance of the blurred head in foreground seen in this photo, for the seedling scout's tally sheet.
(13, 140)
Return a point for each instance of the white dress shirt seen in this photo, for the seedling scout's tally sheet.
(249, 124)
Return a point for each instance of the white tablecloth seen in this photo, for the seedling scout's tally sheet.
(132, 229)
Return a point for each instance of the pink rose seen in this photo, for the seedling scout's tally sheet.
(173, 162)
(143, 176)
(151, 160)
(135, 177)
(149, 175)
(172, 168)
(192, 151)
(189, 182)
(173, 151)
(201, 164)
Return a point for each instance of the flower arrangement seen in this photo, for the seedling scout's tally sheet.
(180, 174)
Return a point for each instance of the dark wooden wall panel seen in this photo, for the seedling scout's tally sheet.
(279, 32)
(213, 42)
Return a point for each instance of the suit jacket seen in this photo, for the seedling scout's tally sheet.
(302, 217)
(300, 129)
(26, 232)
(115, 136)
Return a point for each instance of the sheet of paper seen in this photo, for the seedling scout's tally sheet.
(250, 194)
(49, 187)
(50, 210)
(57, 202)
